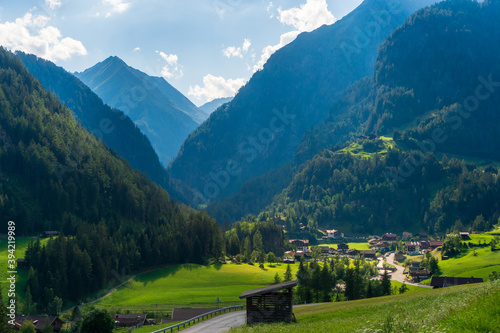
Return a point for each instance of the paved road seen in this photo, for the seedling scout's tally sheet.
(219, 324)
(398, 274)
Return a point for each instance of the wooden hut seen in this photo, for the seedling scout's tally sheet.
(270, 304)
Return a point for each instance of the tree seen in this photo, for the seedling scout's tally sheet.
(27, 327)
(3, 314)
(288, 273)
(277, 278)
(257, 241)
(403, 288)
(271, 258)
(75, 313)
(97, 321)
(433, 265)
(386, 284)
(369, 290)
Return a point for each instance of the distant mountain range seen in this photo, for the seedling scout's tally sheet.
(263, 125)
(210, 107)
(162, 113)
(111, 125)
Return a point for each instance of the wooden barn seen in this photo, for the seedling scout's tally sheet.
(270, 304)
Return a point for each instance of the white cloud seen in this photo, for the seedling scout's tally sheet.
(117, 6)
(237, 52)
(216, 87)
(137, 48)
(269, 9)
(308, 17)
(246, 45)
(172, 69)
(53, 4)
(32, 35)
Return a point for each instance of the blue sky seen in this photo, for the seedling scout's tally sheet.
(205, 48)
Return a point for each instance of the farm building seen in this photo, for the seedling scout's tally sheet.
(130, 320)
(270, 304)
(448, 281)
(40, 322)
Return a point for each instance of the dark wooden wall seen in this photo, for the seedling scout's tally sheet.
(268, 308)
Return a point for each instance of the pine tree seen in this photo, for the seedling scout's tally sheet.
(277, 278)
(288, 273)
(386, 284)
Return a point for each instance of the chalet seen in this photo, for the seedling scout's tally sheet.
(270, 304)
(289, 257)
(390, 238)
(21, 262)
(368, 255)
(300, 244)
(342, 247)
(407, 235)
(325, 250)
(435, 244)
(334, 234)
(299, 254)
(352, 253)
(130, 320)
(40, 322)
(412, 248)
(465, 235)
(50, 234)
(399, 256)
(448, 281)
(419, 275)
(421, 235)
(373, 241)
(381, 246)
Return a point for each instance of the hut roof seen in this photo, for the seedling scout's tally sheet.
(270, 289)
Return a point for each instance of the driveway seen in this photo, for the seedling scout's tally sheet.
(398, 274)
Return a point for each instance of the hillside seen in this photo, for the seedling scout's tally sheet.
(471, 308)
(449, 99)
(162, 113)
(363, 189)
(263, 125)
(111, 125)
(57, 176)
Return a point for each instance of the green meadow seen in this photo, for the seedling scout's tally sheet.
(191, 285)
(22, 274)
(471, 308)
(357, 246)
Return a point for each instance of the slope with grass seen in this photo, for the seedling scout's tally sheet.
(472, 308)
(191, 285)
(22, 274)
(478, 262)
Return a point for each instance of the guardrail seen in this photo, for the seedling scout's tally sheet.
(201, 317)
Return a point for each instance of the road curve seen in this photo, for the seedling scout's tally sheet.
(219, 324)
(399, 275)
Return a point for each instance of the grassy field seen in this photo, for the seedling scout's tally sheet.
(22, 276)
(473, 308)
(357, 246)
(366, 148)
(190, 285)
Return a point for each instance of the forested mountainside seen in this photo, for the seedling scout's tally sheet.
(162, 113)
(437, 72)
(365, 189)
(111, 125)
(263, 125)
(54, 175)
(449, 104)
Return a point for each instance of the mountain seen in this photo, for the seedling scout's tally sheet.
(435, 91)
(263, 125)
(111, 125)
(55, 175)
(210, 107)
(427, 79)
(162, 113)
